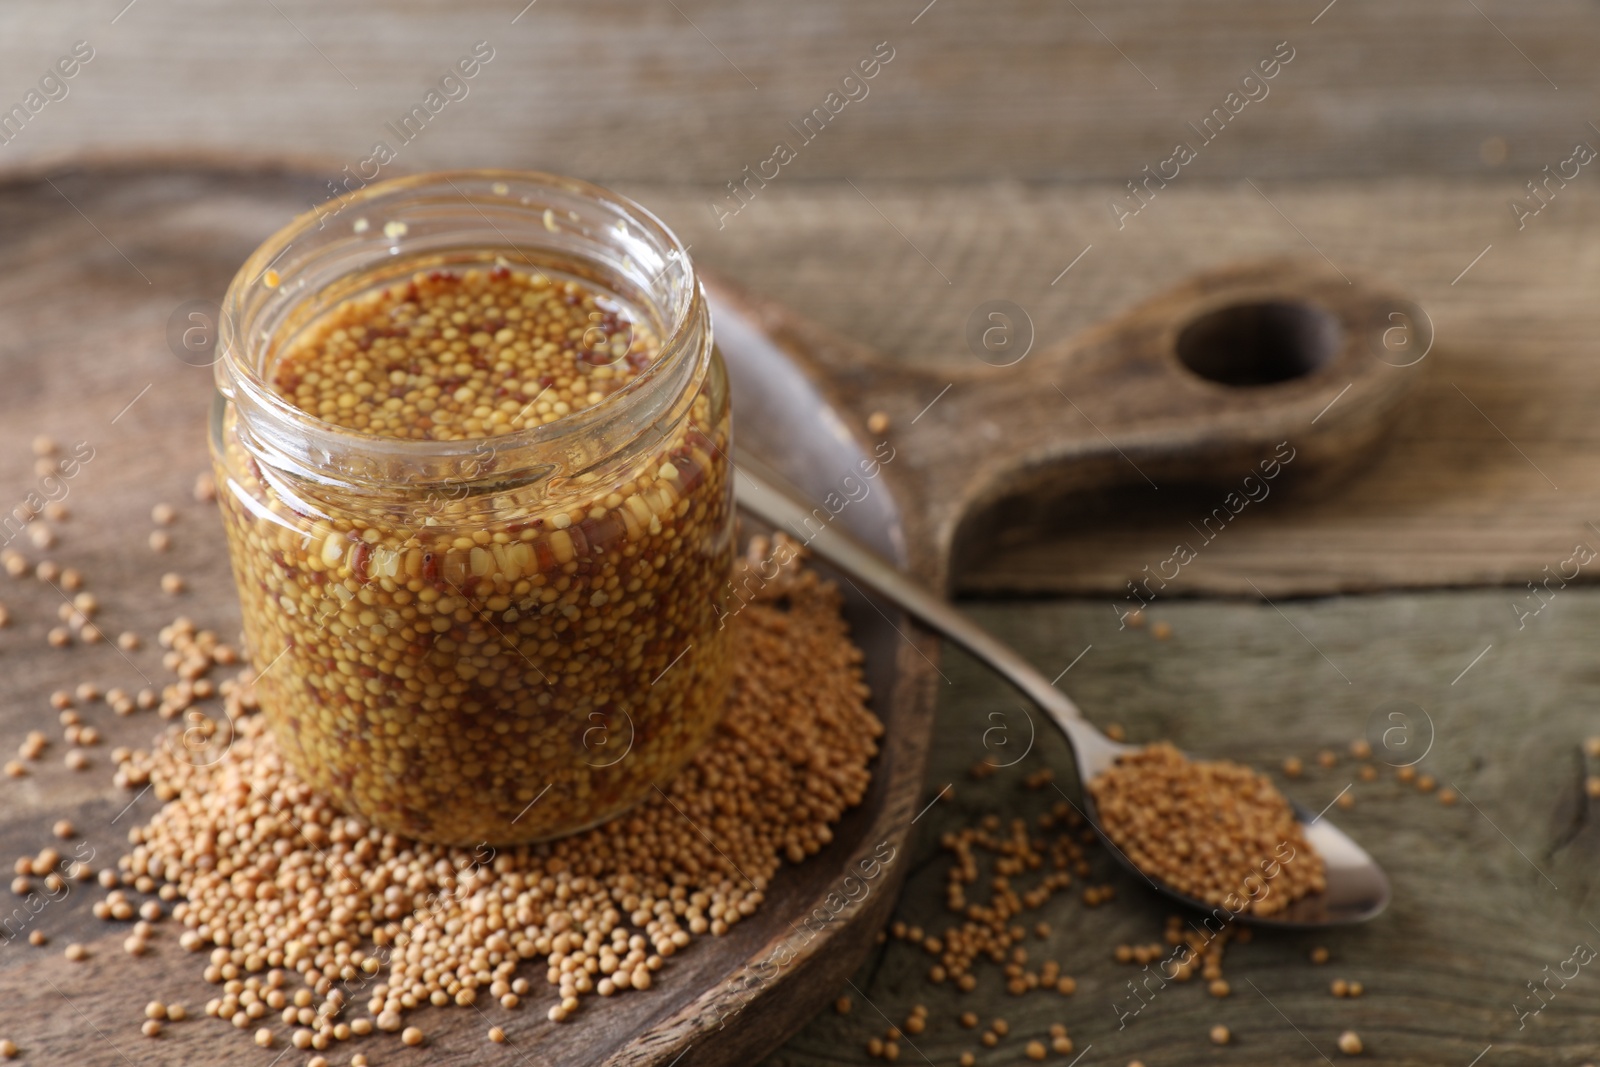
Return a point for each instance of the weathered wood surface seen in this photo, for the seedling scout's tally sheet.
(694, 91)
(1487, 894)
(73, 372)
(1492, 471)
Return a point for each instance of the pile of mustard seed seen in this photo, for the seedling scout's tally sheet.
(274, 879)
(1213, 830)
(448, 355)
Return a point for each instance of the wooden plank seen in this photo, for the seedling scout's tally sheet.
(1490, 473)
(1488, 893)
(1019, 89)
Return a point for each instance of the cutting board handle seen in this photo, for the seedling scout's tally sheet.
(1282, 370)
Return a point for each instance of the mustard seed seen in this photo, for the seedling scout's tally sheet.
(411, 1036)
(1346, 801)
(45, 446)
(1361, 748)
(172, 584)
(37, 938)
(1319, 955)
(1293, 767)
(76, 952)
(163, 515)
(151, 1028)
(1350, 1043)
(8, 1049)
(1220, 1035)
(1447, 796)
(1218, 987)
(155, 1010)
(878, 422)
(497, 1035)
(1035, 1050)
(160, 541)
(358, 1060)
(1425, 783)
(968, 1060)
(1408, 773)
(1061, 1045)
(177, 1013)
(1161, 630)
(1340, 988)
(842, 1006)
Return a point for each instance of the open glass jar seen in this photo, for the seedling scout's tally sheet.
(483, 603)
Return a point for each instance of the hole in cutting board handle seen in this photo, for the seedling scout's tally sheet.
(1259, 343)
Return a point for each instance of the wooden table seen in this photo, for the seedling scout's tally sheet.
(982, 166)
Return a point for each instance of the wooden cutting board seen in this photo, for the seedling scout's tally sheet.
(1279, 374)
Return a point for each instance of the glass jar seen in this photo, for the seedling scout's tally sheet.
(504, 637)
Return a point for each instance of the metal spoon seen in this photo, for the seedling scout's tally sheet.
(1357, 888)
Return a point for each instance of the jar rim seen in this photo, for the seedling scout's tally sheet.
(685, 332)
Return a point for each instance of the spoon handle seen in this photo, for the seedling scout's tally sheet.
(757, 490)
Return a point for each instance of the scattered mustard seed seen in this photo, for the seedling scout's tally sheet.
(1220, 1035)
(1350, 1043)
